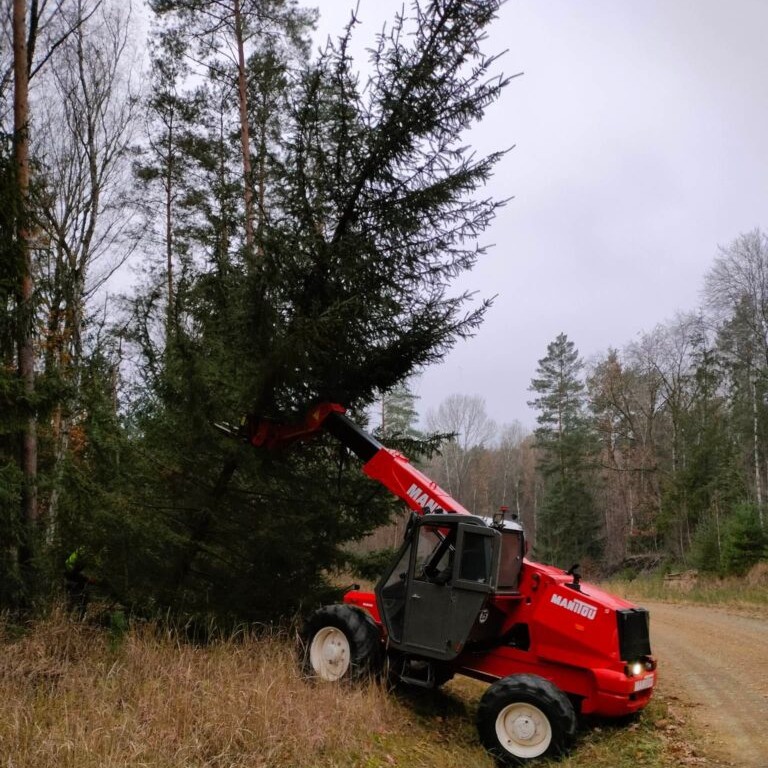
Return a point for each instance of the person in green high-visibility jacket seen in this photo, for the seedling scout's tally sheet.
(77, 582)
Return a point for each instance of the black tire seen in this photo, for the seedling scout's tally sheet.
(524, 717)
(340, 642)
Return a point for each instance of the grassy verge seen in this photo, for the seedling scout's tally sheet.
(71, 696)
(706, 590)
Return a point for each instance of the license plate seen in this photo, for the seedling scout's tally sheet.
(646, 682)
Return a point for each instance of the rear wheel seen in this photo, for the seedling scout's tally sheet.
(341, 642)
(524, 717)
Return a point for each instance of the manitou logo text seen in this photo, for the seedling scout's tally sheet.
(575, 606)
(421, 498)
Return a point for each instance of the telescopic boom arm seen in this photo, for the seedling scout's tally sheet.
(389, 467)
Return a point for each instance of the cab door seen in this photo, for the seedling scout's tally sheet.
(453, 570)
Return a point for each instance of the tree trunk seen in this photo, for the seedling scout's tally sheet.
(756, 450)
(169, 230)
(245, 141)
(262, 179)
(26, 326)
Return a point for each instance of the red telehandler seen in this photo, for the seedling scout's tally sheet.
(460, 597)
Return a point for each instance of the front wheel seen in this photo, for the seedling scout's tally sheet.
(341, 642)
(524, 717)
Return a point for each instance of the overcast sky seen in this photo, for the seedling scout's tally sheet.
(640, 129)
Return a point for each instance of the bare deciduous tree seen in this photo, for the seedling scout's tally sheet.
(87, 111)
(465, 417)
(510, 470)
(625, 398)
(736, 292)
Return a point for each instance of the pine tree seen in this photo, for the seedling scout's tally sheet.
(222, 38)
(165, 168)
(745, 540)
(704, 484)
(398, 413)
(568, 529)
(12, 411)
(24, 32)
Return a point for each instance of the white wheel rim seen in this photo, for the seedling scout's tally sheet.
(523, 730)
(329, 654)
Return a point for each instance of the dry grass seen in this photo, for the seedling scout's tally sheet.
(71, 697)
(69, 700)
(747, 593)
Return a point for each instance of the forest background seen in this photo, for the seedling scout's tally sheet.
(300, 232)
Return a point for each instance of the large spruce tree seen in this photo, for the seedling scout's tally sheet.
(568, 528)
(377, 212)
(369, 207)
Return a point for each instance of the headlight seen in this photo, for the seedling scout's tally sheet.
(635, 668)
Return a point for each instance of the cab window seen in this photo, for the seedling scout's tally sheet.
(434, 554)
(511, 560)
(476, 558)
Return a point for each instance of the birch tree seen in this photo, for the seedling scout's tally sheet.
(465, 418)
(86, 121)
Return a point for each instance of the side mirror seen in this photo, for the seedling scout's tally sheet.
(576, 574)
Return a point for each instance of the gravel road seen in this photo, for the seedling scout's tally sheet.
(716, 662)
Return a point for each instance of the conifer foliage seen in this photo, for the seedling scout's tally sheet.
(366, 206)
(376, 212)
(568, 525)
(301, 230)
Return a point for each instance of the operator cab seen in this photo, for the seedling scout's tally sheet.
(435, 592)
